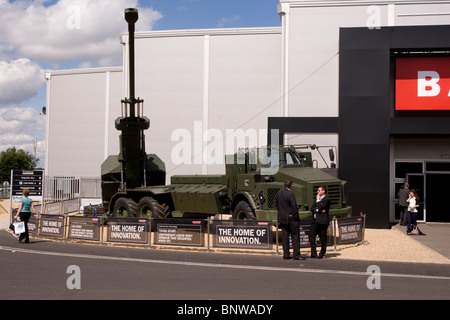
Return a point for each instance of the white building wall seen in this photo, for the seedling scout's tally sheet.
(78, 102)
(197, 85)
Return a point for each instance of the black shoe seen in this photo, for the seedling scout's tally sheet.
(299, 258)
(287, 258)
(320, 256)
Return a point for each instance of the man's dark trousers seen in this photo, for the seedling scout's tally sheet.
(321, 230)
(292, 228)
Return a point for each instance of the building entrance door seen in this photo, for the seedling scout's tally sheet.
(430, 180)
(423, 162)
(411, 172)
(437, 197)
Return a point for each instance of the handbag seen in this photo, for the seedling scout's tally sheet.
(19, 227)
(414, 231)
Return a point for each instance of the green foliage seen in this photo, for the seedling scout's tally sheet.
(13, 159)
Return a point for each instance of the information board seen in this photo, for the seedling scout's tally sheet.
(27, 179)
(173, 232)
(86, 228)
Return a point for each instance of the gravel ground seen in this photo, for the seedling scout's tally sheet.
(390, 245)
(379, 245)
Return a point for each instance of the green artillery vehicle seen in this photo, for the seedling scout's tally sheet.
(248, 188)
(245, 191)
(133, 182)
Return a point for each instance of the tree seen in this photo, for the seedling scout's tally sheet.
(13, 159)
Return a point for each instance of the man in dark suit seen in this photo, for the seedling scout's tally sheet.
(403, 195)
(320, 209)
(289, 220)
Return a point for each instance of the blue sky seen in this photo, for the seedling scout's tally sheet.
(200, 14)
(39, 35)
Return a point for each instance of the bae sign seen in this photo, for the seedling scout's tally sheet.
(422, 83)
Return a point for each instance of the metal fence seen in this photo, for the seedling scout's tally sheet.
(4, 189)
(65, 188)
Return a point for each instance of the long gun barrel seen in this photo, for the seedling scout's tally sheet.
(131, 16)
(132, 123)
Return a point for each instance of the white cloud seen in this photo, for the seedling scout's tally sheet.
(84, 30)
(20, 128)
(18, 120)
(225, 21)
(19, 81)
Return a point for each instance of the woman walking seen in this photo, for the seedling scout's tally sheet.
(411, 218)
(24, 212)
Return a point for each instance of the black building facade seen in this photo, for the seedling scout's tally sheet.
(368, 120)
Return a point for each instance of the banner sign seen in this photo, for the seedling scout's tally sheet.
(72, 205)
(53, 208)
(422, 83)
(86, 228)
(133, 230)
(180, 232)
(242, 234)
(33, 224)
(51, 225)
(305, 227)
(304, 234)
(350, 230)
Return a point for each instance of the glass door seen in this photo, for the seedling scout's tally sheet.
(436, 195)
(405, 170)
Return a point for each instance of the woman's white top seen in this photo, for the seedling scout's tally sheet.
(412, 205)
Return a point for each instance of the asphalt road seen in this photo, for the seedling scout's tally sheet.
(49, 270)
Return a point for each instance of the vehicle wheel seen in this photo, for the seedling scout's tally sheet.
(148, 207)
(243, 211)
(124, 207)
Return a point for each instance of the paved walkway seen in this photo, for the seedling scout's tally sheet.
(437, 237)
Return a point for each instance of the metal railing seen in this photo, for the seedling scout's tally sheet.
(66, 188)
(4, 189)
